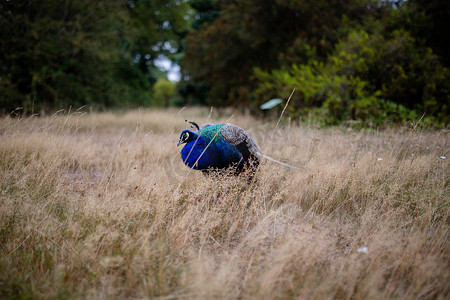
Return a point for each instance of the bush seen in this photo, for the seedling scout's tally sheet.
(163, 90)
(367, 77)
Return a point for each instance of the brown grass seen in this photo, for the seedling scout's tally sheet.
(101, 206)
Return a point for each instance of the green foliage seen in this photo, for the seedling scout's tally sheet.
(191, 93)
(370, 60)
(207, 12)
(55, 54)
(375, 61)
(163, 90)
(367, 77)
(427, 20)
(258, 33)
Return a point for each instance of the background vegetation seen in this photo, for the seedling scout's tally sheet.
(55, 54)
(374, 61)
(368, 60)
(99, 205)
(86, 212)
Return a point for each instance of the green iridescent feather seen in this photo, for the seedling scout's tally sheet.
(212, 132)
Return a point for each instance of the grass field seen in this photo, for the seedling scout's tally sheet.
(101, 206)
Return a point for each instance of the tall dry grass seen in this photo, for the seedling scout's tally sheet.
(101, 206)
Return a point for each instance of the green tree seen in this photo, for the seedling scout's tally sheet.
(428, 20)
(154, 28)
(57, 54)
(163, 91)
(366, 59)
(256, 33)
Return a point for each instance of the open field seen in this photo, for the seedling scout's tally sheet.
(101, 206)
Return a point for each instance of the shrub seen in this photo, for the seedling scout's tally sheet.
(368, 78)
(163, 90)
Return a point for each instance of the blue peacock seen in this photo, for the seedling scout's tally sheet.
(211, 147)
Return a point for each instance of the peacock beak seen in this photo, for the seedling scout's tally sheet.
(179, 143)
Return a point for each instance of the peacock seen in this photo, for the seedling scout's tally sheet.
(211, 147)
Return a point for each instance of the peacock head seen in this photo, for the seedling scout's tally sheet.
(186, 136)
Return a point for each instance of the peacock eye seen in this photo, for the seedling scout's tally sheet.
(186, 136)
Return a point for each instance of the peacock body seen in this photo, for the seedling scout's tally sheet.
(218, 147)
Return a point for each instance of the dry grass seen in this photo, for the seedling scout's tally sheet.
(101, 206)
